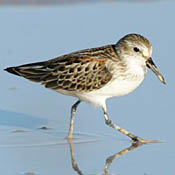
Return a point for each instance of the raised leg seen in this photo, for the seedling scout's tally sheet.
(132, 136)
(71, 127)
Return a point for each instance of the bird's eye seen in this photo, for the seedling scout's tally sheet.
(136, 49)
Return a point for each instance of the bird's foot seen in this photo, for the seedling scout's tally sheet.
(137, 139)
(69, 137)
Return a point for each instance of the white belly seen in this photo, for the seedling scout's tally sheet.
(118, 86)
(112, 89)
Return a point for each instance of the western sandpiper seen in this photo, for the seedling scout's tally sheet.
(96, 74)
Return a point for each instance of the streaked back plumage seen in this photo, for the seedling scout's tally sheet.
(81, 71)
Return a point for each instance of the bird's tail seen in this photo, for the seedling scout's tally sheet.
(33, 71)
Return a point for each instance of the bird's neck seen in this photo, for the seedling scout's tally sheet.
(135, 66)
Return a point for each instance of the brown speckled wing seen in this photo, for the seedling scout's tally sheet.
(81, 71)
(77, 74)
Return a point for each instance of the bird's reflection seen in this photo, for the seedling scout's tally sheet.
(74, 164)
(109, 159)
(123, 152)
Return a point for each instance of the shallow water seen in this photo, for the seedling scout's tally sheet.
(47, 151)
(35, 33)
(39, 151)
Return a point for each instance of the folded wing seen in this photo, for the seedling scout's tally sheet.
(73, 72)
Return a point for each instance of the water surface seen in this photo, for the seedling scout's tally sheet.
(36, 33)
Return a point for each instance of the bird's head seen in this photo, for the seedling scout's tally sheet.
(137, 47)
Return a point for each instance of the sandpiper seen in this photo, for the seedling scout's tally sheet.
(96, 74)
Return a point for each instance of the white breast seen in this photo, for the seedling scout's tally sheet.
(112, 89)
(118, 86)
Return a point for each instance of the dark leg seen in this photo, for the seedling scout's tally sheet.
(71, 127)
(132, 136)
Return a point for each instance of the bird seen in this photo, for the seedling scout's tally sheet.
(96, 74)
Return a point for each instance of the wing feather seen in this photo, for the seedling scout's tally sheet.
(83, 76)
(81, 71)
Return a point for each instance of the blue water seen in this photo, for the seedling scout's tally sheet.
(35, 33)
